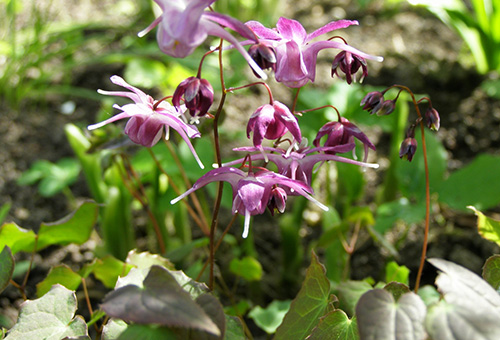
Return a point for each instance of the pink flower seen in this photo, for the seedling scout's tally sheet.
(295, 53)
(251, 192)
(148, 118)
(184, 25)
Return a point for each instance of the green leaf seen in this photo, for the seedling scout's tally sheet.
(16, 238)
(74, 228)
(349, 293)
(113, 328)
(6, 267)
(487, 227)
(491, 271)
(399, 210)
(397, 289)
(62, 275)
(270, 318)
(234, 329)
(470, 305)
(476, 184)
(429, 295)
(50, 317)
(109, 269)
(4, 210)
(248, 268)
(380, 317)
(145, 260)
(161, 301)
(335, 325)
(395, 272)
(147, 332)
(309, 305)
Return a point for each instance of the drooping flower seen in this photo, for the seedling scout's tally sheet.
(263, 55)
(184, 25)
(371, 101)
(349, 64)
(432, 119)
(198, 95)
(272, 122)
(299, 164)
(295, 53)
(408, 148)
(148, 119)
(251, 191)
(342, 133)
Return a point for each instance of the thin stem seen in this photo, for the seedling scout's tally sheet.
(25, 281)
(87, 300)
(427, 188)
(322, 107)
(295, 99)
(231, 89)
(198, 74)
(155, 105)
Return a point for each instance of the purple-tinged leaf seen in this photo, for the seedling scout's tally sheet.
(491, 271)
(380, 317)
(312, 302)
(6, 267)
(161, 301)
(336, 325)
(214, 310)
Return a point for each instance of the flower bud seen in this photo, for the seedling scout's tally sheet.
(384, 108)
(408, 148)
(198, 95)
(349, 64)
(264, 56)
(277, 200)
(372, 100)
(432, 119)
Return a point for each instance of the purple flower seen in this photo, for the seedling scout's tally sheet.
(148, 118)
(432, 119)
(277, 200)
(251, 192)
(264, 56)
(349, 64)
(408, 148)
(342, 134)
(198, 95)
(295, 53)
(298, 165)
(372, 101)
(272, 122)
(184, 25)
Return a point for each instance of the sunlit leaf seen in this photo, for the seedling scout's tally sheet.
(309, 305)
(335, 325)
(145, 260)
(487, 227)
(471, 307)
(74, 228)
(161, 301)
(475, 184)
(62, 275)
(395, 272)
(16, 238)
(270, 318)
(106, 270)
(6, 267)
(491, 271)
(248, 268)
(429, 295)
(380, 317)
(113, 328)
(50, 317)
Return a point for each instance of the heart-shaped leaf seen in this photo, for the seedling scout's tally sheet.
(335, 325)
(16, 238)
(491, 271)
(50, 317)
(471, 307)
(62, 275)
(380, 317)
(160, 301)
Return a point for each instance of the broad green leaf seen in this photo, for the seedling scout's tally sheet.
(487, 227)
(109, 269)
(161, 301)
(16, 238)
(399, 210)
(349, 293)
(395, 272)
(335, 325)
(380, 317)
(270, 318)
(74, 228)
(471, 306)
(476, 184)
(113, 328)
(248, 268)
(234, 329)
(429, 295)
(62, 275)
(491, 271)
(6, 267)
(309, 305)
(51, 317)
(147, 332)
(145, 260)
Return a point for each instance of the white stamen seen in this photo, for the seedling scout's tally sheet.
(246, 227)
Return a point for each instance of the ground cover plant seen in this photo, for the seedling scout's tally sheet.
(178, 196)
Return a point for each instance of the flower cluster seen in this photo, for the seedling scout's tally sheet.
(288, 51)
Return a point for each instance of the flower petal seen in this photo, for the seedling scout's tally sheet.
(331, 26)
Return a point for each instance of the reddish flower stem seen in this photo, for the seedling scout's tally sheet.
(231, 89)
